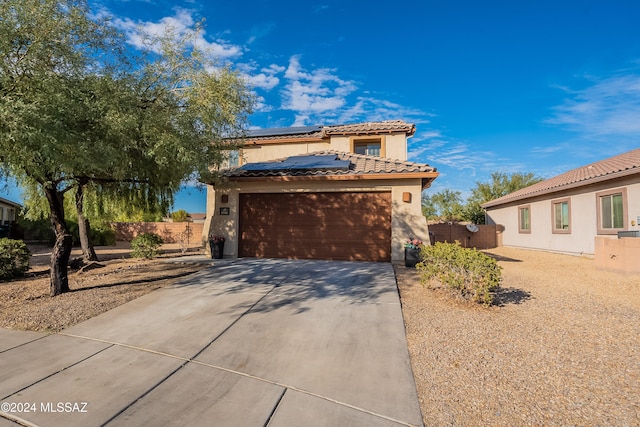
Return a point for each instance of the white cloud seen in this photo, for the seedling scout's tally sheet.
(372, 109)
(263, 81)
(610, 107)
(318, 92)
(137, 32)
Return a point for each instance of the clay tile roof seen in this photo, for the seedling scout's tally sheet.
(617, 166)
(298, 132)
(320, 132)
(371, 128)
(359, 164)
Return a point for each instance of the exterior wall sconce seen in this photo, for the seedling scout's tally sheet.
(224, 198)
(406, 197)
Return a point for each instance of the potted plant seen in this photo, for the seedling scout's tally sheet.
(216, 244)
(412, 252)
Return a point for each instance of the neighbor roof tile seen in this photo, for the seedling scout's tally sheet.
(610, 168)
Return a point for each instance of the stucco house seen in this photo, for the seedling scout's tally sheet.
(8, 211)
(570, 212)
(344, 192)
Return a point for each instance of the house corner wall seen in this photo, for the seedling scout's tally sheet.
(224, 218)
(406, 218)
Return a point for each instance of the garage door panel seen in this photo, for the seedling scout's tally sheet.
(347, 226)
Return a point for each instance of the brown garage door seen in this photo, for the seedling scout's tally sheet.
(338, 226)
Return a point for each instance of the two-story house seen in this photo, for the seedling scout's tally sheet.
(342, 192)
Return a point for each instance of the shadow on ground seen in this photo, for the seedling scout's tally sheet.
(504, 296)
(300, 281)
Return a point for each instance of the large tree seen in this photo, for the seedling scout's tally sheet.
(75, 111)
(445, 205)
(498, 186)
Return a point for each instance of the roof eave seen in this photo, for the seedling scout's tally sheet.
(425, 176)
(577, 184)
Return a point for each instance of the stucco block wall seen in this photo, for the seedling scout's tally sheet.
(169, 231)
(583, 214)
(485, 238)
(617, 255)
(407, 218)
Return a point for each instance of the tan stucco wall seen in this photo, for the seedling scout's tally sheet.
(407, 219)
(395, 148)
(584, 220)
(618, 255)
(263, 153)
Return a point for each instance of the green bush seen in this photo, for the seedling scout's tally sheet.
(102, 235)
(146, 245)
(38, 230)
(468, 273)
(14, 258)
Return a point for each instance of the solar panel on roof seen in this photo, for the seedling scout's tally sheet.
(327, 162)
(283, 131)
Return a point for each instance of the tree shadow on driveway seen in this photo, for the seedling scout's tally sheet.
(297, 283)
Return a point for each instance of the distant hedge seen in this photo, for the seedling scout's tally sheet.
(14, 258)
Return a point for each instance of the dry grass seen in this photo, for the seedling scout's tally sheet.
(560, 348)
(25, 304)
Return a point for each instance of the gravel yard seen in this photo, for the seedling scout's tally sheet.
(560, 348)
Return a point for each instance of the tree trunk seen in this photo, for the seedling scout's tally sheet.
(84, 228)
(62, 248)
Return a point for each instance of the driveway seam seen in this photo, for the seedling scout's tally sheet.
(186, 360)
(25, 343)
(60, 370)
(231, 371)
(275, 408)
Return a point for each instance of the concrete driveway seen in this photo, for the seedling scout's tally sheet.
(246, 342)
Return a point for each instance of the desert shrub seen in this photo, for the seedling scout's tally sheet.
(102, 235)
(146, 245)
(14, 258)
(468, 273)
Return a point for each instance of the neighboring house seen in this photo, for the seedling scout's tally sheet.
(8, 211)
(567, 212)
(321, 192)
(198, 218)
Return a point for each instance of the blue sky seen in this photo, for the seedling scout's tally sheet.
(509, 86)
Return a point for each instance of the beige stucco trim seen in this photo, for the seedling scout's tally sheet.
(382, 139)
(625, 208)
(371, 176)
(283, 141)
(553, 203)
